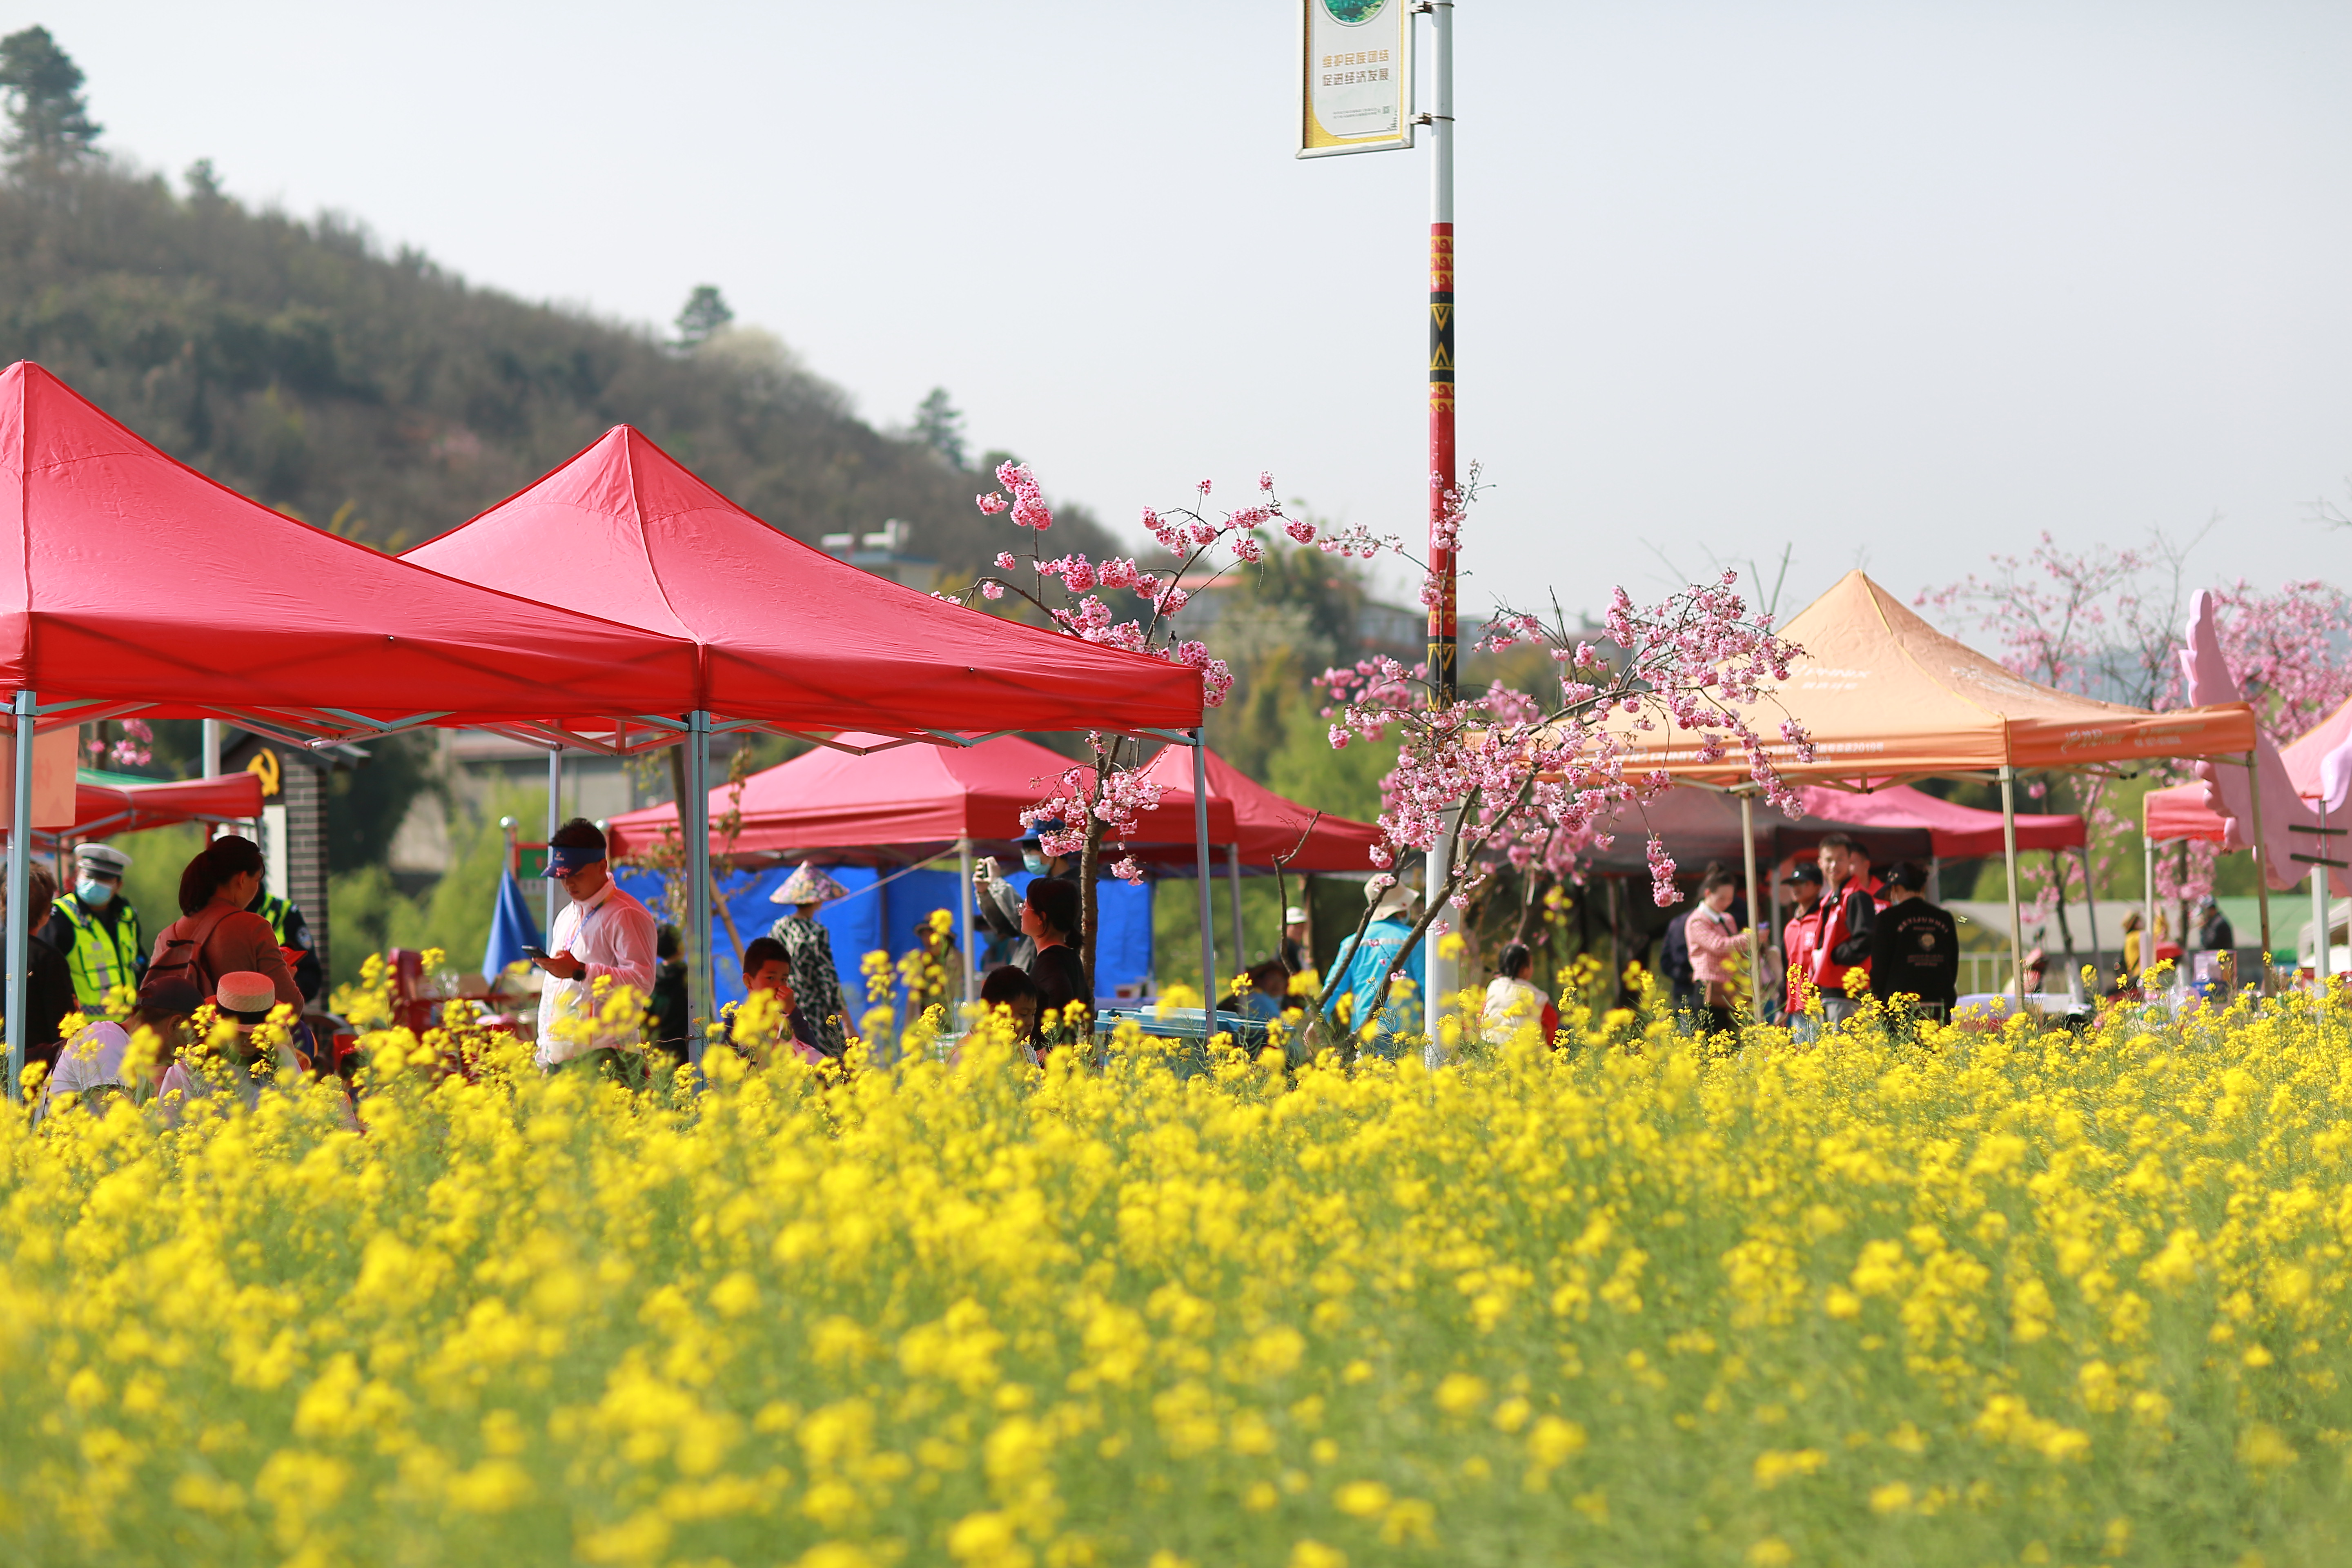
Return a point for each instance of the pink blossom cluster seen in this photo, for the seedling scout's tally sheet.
(1028, 503)
(134, 748)
(1537, 780)
(1115, 798)
(1067, 590)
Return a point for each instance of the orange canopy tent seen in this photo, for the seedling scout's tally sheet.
(1885, 698)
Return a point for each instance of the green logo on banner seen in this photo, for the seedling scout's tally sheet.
(1349, 13)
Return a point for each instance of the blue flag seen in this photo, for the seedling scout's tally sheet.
(511, 930)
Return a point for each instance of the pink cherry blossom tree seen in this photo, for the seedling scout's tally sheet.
(1507, 778)
(2108, 623)
(1097, 804)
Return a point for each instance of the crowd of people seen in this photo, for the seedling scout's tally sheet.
(237, 955)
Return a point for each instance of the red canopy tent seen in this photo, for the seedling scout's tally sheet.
(139, 586)
(1266, 826)
(101, 810)
(1957, 831)
(790, 639)
(142, 587)
(918, 799)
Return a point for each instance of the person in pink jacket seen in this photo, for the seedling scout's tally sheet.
(1713, 934)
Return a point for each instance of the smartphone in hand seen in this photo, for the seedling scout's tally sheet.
(536, 955)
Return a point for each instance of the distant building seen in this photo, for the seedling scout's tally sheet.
(884, 553)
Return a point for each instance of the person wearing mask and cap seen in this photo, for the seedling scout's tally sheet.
(1914, 946)
(603, 937)
(1360, 965)
(1800, 939)
(1001, 904)
(816, 981)
(96, 928)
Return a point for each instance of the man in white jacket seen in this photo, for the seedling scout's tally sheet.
(603, 941)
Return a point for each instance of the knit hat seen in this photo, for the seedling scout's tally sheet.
(102, 859)
(246, 995)
(808, 886)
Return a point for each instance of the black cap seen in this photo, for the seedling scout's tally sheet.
(1907, 876)
(1804, 871)
(171, 994)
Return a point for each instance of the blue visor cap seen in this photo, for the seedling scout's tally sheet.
(564, 860)
(1038, 830)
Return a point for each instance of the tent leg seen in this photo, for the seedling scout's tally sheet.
(1233, 885)
(2319, 925)
(2148, 911)
(20, 893)
(1755, 947)
(212, 748)
(695, 818)
(1208, 904)
(2262, 867)
(554, 821)
(969, 921)
(2008, 860)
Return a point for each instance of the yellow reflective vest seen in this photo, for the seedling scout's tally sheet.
(103, 954)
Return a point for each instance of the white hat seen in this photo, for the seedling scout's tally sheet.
(103, 858)
(1294, 916)
(1396, 899)
(245, 992)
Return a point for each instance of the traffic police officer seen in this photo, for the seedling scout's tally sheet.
(96, 928)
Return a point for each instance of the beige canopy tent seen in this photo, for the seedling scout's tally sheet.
(1886, 699)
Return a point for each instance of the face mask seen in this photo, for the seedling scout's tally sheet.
(1032, 862)
(94, 895)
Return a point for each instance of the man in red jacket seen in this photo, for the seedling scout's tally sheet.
(1849, 911)
(1801, 938)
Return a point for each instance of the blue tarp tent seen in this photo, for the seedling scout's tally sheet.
(885, 919)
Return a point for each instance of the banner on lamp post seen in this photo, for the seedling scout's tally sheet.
(1355, 77)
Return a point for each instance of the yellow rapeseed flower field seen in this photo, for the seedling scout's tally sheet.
(1966, 1299)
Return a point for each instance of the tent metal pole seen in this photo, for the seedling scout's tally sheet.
(2091, 908)
(969, 922)
(2262, 866)
(2322, 936)
(2148, 909)
(20, 892)
(212, 748)
(554, 821)
(1200, 865)
(1233, 885)
(2009, 860)
(697, 877)
(1755, 949)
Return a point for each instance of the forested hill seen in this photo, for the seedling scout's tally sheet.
(386, 398)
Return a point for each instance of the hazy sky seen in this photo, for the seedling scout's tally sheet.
(1897, 283)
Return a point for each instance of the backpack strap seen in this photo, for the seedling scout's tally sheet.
(208, 923)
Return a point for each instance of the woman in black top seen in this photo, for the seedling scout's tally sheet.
(1049, 916)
